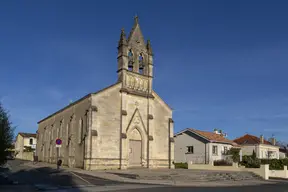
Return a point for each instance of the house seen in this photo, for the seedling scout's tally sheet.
(200, 147)
(122, 126)
(261, 147)
(24, 141)
(283, 151)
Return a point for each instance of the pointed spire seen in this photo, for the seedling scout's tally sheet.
(123, 40)
(149, 47)
(136, 20)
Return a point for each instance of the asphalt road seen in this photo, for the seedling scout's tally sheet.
(47, 178)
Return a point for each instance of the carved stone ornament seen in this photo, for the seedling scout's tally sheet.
(171, 120)
(151, 138)
(171, 139)
(124, 112)
(94, 133)
(137, 120)
(137, 83)
(150, 116)
(123, 136)
(94, 108)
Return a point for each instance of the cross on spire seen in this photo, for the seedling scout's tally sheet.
(136, 19)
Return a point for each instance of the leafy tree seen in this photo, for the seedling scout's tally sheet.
(253, 154)
(6, 134)
(234, 152)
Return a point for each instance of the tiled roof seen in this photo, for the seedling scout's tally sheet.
(213, 137)
(28, 134)
(250, 140)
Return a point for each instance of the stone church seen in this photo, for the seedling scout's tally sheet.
(121, 126)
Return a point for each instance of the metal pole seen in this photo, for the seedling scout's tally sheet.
(57, 153)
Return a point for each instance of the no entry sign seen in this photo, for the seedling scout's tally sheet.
(58, 141)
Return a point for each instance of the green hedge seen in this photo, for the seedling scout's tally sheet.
(222, 163)
(181, 165)
(250, 162)
(274, 164)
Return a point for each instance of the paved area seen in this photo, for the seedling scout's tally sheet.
(48, 179)
(166, 177)
(262, 188)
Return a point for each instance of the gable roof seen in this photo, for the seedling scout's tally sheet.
(77, 101)
(250, 140)
(27, 134)
(210, 136)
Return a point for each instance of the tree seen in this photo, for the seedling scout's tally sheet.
(6, 134)
(235, 154)
(253, 154)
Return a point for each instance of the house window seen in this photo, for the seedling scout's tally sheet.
(225, 150)
(31, 141)
(190, 149)
(214, 150)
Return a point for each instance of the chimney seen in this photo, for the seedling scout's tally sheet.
(273, 141)
(261, 139)
(215, 131)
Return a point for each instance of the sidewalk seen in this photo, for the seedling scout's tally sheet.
(159, 177)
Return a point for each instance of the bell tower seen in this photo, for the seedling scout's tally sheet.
(135, 62)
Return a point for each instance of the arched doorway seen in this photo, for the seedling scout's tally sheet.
(135, 148)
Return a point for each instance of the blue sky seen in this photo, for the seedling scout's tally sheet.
(219, 64)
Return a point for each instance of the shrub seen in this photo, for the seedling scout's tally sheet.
(181, 165)
(234, 152)
(275, 164)
(250, 162)
(222, 163)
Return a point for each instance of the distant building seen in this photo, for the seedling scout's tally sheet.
(262, 148)
(24, 141)
(200, 147)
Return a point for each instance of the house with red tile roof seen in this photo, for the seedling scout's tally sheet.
(262, 148)
(200, 147)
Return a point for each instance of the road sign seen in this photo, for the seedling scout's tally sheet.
(58, 141)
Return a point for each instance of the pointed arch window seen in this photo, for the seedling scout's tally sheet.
(130, 60)
(141, 64)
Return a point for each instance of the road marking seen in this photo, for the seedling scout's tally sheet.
(81, 178)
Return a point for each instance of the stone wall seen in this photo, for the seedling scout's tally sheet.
(106, 121)
(66, 125)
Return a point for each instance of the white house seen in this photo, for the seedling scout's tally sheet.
(24, 140)
(262, 148)
(200, 147)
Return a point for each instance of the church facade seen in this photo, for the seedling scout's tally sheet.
(122, 126)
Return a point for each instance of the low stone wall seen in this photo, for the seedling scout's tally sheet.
(234, 167)
(263, 171)
(279, 173)
(27, 156)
